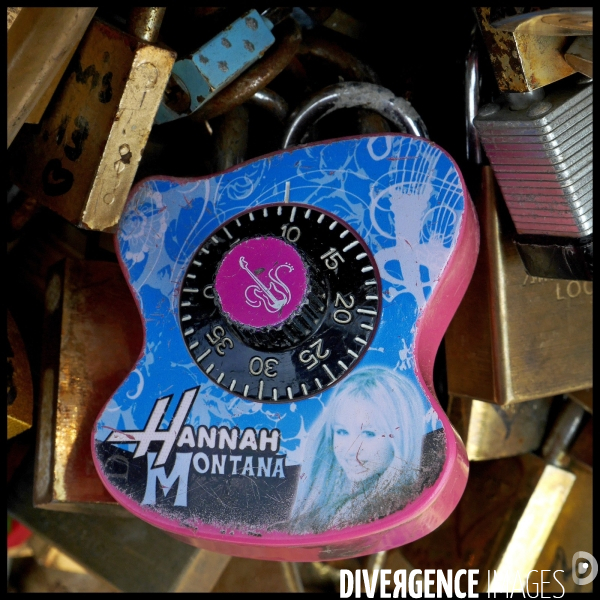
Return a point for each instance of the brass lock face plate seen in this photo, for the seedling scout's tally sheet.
(81, 159)
(517, 337)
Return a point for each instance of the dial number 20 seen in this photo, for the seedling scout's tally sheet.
(343, 316)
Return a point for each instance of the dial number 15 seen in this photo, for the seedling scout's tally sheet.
(331, 258)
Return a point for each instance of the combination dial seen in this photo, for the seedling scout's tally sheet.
(280, 303)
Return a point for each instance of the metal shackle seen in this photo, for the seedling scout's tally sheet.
(353, 94)
(257, 77)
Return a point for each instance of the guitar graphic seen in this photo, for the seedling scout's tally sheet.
(259, 295)
(283, 406)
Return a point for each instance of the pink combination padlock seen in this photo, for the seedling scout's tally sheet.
(282, 407)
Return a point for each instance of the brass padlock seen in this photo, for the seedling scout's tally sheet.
(82, 158)
(490, 431)
(40, 44)
(501, 523)
(92, 336)
(19, 389)
(571, 533)
(516, 337)
(509, 509)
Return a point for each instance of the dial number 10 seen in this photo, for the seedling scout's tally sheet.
(291, 234)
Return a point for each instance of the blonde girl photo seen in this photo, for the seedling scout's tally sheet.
(363, 454)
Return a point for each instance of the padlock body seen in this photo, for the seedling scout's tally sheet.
(516, 337)
(92, 337)
(542, 157)
(81, 159)
(375, 233)
(490, 431)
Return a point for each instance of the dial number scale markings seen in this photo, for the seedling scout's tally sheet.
(323, 275)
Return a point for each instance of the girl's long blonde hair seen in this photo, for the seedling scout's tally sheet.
(398, 410)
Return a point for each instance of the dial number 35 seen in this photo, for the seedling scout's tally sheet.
(219, 341)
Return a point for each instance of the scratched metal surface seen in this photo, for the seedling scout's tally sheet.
(405, 198)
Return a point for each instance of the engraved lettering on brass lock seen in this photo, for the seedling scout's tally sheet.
(573, 289)
(531, 280)
(564, 289)
(82, 161)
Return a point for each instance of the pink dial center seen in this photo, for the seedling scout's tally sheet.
(261, 282)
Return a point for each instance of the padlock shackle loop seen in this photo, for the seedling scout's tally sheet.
(350, 67)
(352, 94)
(272, 102)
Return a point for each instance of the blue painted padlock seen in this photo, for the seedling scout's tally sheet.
(282, 406)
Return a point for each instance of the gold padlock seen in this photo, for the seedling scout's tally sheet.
(516, 337)
(507, 513)
(82, 158)
(19, 389)
(92, 337)
(490, 431)
(500, 525)
(573, 532)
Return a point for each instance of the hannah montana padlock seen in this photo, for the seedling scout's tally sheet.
(283, 407)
